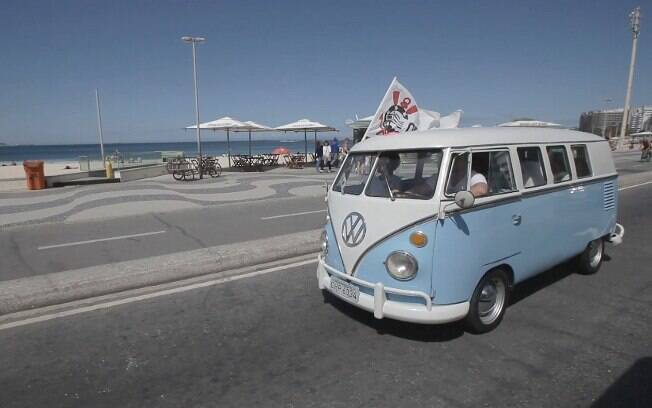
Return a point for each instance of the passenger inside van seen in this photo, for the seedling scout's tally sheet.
(387, 164)
(457, 182)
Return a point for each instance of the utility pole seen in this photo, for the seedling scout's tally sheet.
(635, 21)
(99, 125)
(193, 41)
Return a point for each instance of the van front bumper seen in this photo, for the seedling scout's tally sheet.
(381, 307)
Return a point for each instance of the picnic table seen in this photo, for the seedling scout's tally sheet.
(295, 161)
(186, 169)
(254, 162)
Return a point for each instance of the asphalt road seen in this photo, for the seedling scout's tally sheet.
(54, 247)
(35, 249)
(275, 341)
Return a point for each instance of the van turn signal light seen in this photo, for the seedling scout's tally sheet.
(418, 239)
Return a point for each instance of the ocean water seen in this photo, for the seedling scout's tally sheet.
(9, 154)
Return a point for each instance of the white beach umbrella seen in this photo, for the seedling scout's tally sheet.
(306, 125)
(530, 123)
(225, 123)
(253, 127)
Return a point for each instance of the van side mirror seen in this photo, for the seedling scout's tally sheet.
(464, 199)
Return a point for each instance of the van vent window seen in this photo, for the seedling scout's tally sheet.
(581, 159)
(559, 163)
(532, 169)
(609, 191)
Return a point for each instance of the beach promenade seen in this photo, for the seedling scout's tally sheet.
(68, 228)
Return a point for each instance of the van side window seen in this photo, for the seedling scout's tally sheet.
(581, 159)
(532, 169)
(559, 163)
(496, 170)
(491, 174)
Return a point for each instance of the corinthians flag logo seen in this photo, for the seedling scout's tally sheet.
(397, 113)
(399, 117)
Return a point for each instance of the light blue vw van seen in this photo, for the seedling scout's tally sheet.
(437, 226)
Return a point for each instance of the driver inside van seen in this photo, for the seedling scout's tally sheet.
(477, 184)
(384, 176)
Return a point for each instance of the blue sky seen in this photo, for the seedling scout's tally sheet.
(278, 61)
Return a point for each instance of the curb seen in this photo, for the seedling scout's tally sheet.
(61, 287)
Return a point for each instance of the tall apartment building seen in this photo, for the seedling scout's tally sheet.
(607, 122)
(641, 119)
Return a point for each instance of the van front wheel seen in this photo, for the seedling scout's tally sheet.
(488, 302)
(589, 261)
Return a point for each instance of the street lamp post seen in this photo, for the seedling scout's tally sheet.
(635, 19)
(193, 41)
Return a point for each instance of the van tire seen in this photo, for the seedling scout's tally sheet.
(590, 261)
(489, 302)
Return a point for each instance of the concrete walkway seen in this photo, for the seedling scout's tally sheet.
(159, 194)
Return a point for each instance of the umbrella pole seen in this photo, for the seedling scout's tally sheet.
(228, 146)
(249, 142)
(305, 142)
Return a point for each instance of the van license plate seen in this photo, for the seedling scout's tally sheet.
(344, 289)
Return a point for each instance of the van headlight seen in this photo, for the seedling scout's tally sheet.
(324, 243)
(401, 265)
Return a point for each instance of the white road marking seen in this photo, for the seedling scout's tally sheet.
(635, 185)
(273, 217)
(153, 295)
(91, 241)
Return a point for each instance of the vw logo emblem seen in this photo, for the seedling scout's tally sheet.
(353, 229)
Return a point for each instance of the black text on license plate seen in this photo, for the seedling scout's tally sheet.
(346, 290)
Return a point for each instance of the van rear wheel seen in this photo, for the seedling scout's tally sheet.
(590, 261)
(488, 302)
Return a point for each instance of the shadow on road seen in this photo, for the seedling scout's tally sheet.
(540, 281)
(544, 279)
(450, 331)
(410, 331)
(632, 389)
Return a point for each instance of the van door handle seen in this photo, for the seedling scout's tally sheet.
(573, 190)
(516, 219)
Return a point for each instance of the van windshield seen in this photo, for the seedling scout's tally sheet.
(408, 174)
(355, 172)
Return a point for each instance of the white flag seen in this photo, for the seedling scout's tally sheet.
(398, 113)
(451, 121)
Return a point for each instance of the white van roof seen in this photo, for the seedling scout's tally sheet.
(467, 137)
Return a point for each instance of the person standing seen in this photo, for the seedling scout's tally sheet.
(335, 152)
(326, 156)
(319, 153)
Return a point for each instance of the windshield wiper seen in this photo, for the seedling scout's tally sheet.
(391, 195)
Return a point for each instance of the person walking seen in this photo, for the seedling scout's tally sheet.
(319, 153)
(646, 150)
(335, 152)
(326, 156)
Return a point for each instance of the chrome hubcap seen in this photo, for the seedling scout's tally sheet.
(492, 300)
(595, 253)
